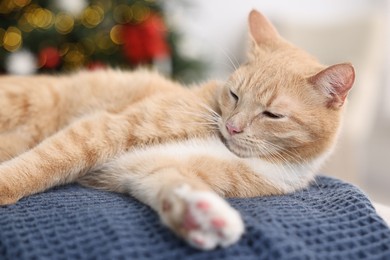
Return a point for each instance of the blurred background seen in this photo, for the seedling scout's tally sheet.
(193, 41)
(48, 36)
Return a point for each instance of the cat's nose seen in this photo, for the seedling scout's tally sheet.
(232, 129)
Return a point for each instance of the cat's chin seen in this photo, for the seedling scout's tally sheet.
(238, 150)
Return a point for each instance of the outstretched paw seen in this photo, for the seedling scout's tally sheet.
(203, 218)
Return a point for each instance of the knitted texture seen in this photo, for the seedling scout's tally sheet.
(329, 220)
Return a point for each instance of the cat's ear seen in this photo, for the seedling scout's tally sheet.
(260, 28)
(335, 82)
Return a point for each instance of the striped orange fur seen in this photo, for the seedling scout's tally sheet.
(265, 131)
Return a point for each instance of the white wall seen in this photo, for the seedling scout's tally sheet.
(217, 28)
(386, 105)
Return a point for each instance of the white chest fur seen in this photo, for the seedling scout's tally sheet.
(286, 177)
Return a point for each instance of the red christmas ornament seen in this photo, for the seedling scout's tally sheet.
(96, 65)
(49, 58)
(145, 41)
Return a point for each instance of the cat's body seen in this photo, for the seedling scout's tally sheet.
(266, 131)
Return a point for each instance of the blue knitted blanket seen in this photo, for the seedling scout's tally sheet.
(329, 220)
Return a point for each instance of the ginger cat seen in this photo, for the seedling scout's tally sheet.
(179, 150)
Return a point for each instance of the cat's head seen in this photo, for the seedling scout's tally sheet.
(282, 104)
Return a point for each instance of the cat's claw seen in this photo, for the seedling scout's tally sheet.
(203, 218)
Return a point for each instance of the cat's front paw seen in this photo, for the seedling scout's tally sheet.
(202, 218)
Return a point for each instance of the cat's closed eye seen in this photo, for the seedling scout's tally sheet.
(271, 115)
(235, 97)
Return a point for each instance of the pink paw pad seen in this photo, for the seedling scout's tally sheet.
(166, 206)
(206, 221)
(189, 222)
(218, 223)
(203, 205)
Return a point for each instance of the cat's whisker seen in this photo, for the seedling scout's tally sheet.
(305, 166)
(277, 156)
(241, 80)
(288, 170)
(294, 157)
(227, 65)
(210, 110)
(205, 123)
(260, 146)
(200, 115)
(291, 169)
(235, 66)
(289, 157)
(211, 125)
(259, 143)
(281, 170)
(235, 60)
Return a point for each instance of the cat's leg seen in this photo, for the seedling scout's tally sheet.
(185, 203)
(64, 156)
(30, 110)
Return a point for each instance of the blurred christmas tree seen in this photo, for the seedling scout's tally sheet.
(61, 35)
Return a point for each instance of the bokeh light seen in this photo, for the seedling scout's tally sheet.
(140, 12)
(104, 43)
(42, 18)
(89, 46)
(21, 3)
(24, 24)
(116, 34)
(122, 14)
(12, 39)
(73, 55)
(2, 32)
(92, 16)
(64, 23)
(7, 6)
(65, 35)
